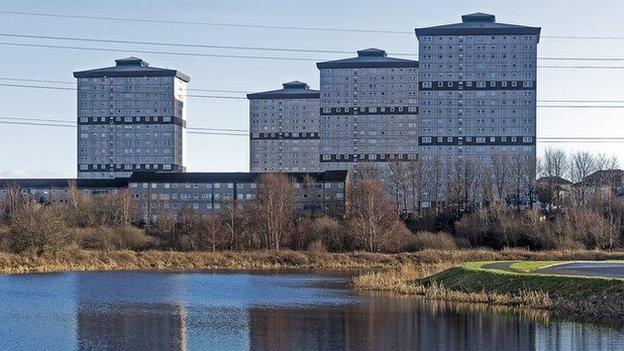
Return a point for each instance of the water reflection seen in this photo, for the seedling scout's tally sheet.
(138, 327)
(150, 311)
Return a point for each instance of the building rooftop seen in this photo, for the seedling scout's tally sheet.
(144, 177)
(611, 177)
(368, 58)
(63, 183)
(478, 24)
(201, 177)
(131, 67)
(290, 90)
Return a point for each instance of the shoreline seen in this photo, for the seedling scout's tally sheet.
(595, 299)
(91, 260)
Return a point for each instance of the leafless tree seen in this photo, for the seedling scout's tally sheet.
(365, 171)
(529, 173)
(371, 216)
(274, 208)
(399, 184)
(415, 176)
(500, 174)
(554, 167)
(37, 228)
(582, 164)
(605, 162)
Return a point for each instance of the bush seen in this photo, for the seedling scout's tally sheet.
(584, 228)
(109, 238)
(5, 232)
(428, 240)
(36, 228)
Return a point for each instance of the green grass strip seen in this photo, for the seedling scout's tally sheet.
(471, 277)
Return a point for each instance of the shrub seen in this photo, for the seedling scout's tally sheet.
(36, 228)
(428, 240)
(109, 238)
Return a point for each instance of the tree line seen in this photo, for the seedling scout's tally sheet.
(469, 204)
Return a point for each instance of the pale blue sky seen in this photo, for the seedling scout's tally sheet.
(48, 151)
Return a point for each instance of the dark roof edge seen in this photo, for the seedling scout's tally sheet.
(225, 177)
(155, 73)
(272, 95)
(479, 31)
(384, 64)
(63, 183)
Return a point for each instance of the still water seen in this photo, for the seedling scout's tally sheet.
(260, 311)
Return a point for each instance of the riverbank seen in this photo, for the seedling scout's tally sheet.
(592, 298)
(87, 260)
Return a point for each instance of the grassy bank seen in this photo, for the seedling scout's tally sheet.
(92, 260)
(595, 298)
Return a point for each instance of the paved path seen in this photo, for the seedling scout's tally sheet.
(594, 269)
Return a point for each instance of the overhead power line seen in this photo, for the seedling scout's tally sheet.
(73, 123)
(247, 92)
(206, 23)
(244, 132)
(244, 98)
(73, 83)
(265, 26)
(157, 52)
(122, 92)
(197, 54)
(263, 48)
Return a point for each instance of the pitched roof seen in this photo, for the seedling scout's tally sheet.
(131, 67)
(611, 177)
(290, 90)
(478, 24)
(368, 58)
(553, 180)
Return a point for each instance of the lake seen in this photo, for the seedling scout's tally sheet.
(261, 311)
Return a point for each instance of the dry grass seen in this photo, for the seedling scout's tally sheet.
(401, 280)
(430, 260)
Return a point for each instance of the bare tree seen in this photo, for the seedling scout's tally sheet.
(432, 171)
(371, 216)
(365, 171)
(37, 228)
(312, 196)
(399, 184)
(274, 209)
(582, 164)
(605, 162)
(529, 173)
(554, 168)
(500, 174)
(414, 176)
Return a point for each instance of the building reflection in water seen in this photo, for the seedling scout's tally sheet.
(202, 312)
(109, 318)
(408, 323)
(132, 327)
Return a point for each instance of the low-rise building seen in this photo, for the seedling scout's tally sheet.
(158, 193)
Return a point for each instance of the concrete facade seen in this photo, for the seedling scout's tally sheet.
(369, 110)
(131, 117)
(477, 82)
(158, 193)
(284, 129)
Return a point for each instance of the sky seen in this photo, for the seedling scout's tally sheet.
(37, 151)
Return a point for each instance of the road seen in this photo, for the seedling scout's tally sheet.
(591, 269)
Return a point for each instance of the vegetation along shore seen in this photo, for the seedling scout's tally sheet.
(520, 284)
